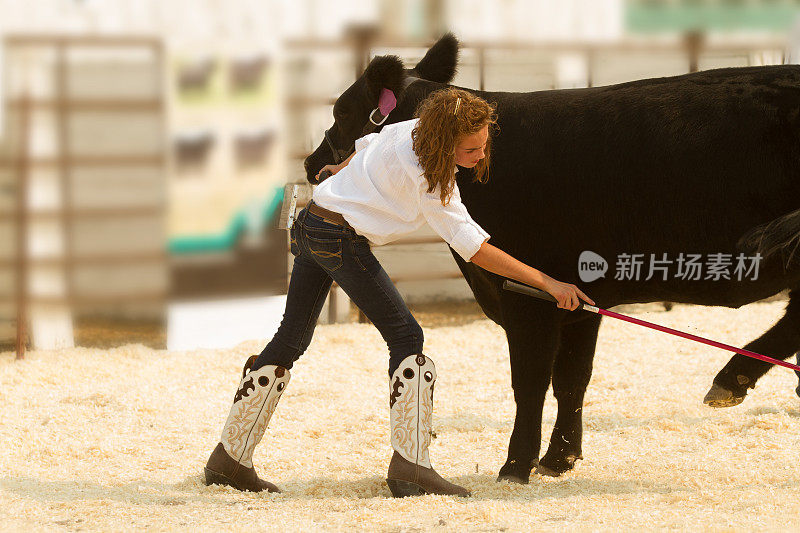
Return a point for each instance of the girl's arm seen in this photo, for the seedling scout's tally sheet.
(335, 168)
(496, 260)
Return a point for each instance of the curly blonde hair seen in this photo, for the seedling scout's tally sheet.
(445, 117)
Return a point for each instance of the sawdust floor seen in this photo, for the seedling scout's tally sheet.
(115, 438)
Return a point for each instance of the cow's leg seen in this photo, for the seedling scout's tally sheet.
(781, 341)
(533, 333)
(572, 370)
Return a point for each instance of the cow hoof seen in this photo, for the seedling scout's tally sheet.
(514, 472)
(556, 467)
(512, 479)
(544, 471)
(721, 397)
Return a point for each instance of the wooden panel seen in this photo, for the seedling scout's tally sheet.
(97, 165)
(426, 277)
(7, 279)
(118, 187)
(122, 236)
(114, 133)
(97, 281)
(90, 160)
(94, 260)
(96, 104)
(49, 39)
(97, 212)
(106, 301)
(112, 74)
(8, 239)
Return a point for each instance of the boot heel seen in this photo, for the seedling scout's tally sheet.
(213, 478)
(401, 489)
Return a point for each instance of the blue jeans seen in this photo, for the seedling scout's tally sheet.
(325, 252)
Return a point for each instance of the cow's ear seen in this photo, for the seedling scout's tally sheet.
(440, 62)
(384, 72)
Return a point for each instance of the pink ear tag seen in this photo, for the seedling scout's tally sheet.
(386, 102)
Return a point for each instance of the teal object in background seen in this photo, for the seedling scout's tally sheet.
(221, 242)
(690, 15)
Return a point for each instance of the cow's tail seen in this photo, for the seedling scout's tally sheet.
(779, 236)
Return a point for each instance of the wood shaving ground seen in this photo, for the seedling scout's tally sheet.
(116, 439)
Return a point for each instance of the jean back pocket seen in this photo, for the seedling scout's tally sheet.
(327, 252)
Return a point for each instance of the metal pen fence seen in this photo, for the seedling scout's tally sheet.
(106, 186)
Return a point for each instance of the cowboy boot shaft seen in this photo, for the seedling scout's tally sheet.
(411, 417)
(231, 462)
(253, 405)
(411, 408)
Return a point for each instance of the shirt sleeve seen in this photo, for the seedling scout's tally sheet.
(452, 221)
(362, 142)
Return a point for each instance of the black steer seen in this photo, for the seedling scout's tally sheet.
(704, 163)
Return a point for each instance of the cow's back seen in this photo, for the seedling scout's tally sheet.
(680, 164)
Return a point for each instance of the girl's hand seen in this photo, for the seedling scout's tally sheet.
(333, 169)
(568, 295)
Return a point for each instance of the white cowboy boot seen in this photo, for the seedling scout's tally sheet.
(410, 413)
(255, 401)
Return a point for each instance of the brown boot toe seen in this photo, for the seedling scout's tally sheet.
(407, 479)
(222, 469)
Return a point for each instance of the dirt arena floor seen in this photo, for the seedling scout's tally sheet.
(114, 439)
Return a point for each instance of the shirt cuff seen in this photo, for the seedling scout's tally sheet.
(468, 240)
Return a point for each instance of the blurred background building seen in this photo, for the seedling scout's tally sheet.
(145, 144)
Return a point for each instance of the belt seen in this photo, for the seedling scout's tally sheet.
(329, 216)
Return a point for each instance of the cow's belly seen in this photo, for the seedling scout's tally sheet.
(484, 285)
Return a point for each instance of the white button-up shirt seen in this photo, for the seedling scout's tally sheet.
(383, 194)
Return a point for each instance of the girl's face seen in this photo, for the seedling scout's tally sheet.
(471, 148)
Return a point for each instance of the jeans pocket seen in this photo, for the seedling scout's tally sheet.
(362, 253)
(327, 252)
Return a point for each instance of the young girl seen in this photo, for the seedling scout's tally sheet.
(395, 181)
